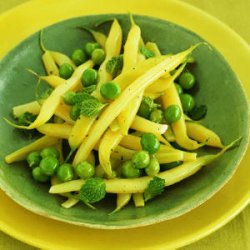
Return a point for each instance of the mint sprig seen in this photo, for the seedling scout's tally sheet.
(155, 188)
(93, 190)
(91, 107)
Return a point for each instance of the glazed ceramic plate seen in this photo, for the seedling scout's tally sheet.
(137, 237)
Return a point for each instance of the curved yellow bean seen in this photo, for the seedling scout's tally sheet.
(53, 80)
(121, 201)
(80, 131)
(154, 48)
(108, 143)
(61, 58)
(57, 130)
(70, 202)
(132, 91)
(39, 144)
(62, 112)
(49, 64)
(138, 200)
(98, 36)
(50, 105)
(31, 107)
(138, 185)
(91, 158)
(200, 133)
(114, 126)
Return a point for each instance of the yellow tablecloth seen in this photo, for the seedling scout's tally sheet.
(236, 234)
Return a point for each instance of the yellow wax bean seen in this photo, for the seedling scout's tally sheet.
(171, 97)
(53, 80)
(91, 158)
(138, 200)
(121, 201)
(108, 143)
(170, 157)
(80, 131)
(53, 101)
(49, 64)
(39, 144)
(31, 107)
(60, 59)
(98, 36)
(169, 135)
(121, 153)
(154, 48)
(112, 48)
(114, 126)
(132, 91)
(62, 112)
(143, 125)
(138, 185)
(57, 130)
(70, 202)
(200, 133)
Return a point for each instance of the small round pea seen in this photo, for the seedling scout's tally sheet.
(49, 165)
(146, 107)
(141, 159)
(69, 97)
(156, 116)
(178, 88)
(187, 102)
(65, 172)
(85, 170)
(75, 112)
(150, 143)
(50, 151)
(98, 56)
(153, 168)
(78, 57)
(110, 90)
(187, 80)
(167, 166)
(34, 159)
(172, 113)
(89, 77)
(66, 71)
(90, 47)
(129, 171)
(38, 175)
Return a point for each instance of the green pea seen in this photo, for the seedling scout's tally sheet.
(178, 88)
(49, 165)
(50, 151)
(156, 116)
(153, 168)
(66, 71)
(85, 170)
(187, 102)
(172, 113)
(150, 143)
(110, 90)
(38, 175)
(78, 57)
(90, 47)
(129, 171)
(75, 112)
(141, 159)
(89, 77)
(98, 56)
(187, 80)
(65, 172)
(167, 166)
(33, 159)
(69, 97)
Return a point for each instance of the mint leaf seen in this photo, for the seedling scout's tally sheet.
(114, 65)
(89, 89)
(155, 188)
(91, 107)
(146, 52)
(93, 190)
(82, 96)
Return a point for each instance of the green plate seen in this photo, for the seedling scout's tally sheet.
(218, 88)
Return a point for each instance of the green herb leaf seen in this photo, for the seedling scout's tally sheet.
(89, 89)
(82, 96)
(146, 52)
(91, 107)
(155, 188)
(93, 190)
(114, 65)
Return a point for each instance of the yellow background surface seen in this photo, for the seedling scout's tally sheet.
(236, 234)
